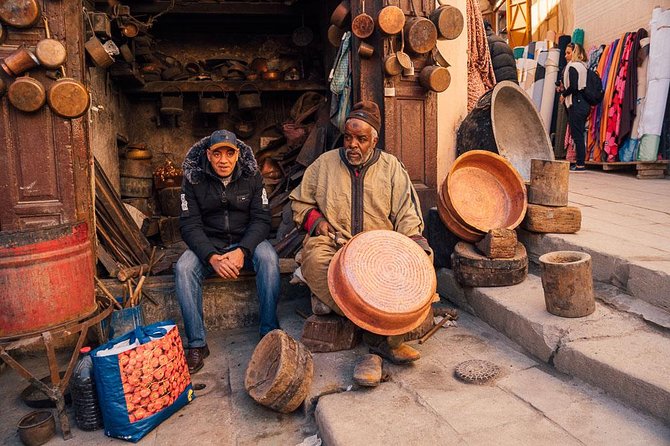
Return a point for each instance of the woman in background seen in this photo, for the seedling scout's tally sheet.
(574, 82)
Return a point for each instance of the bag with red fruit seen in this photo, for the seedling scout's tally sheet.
(141, 379)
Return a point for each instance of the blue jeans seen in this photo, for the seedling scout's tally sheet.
(190, 271)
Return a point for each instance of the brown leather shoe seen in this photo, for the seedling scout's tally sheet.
(195, 358)
(368, 371)
(402, 354)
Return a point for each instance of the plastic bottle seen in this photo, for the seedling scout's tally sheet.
(84, 397)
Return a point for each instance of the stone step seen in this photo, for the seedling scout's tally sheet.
(618, 352)
(623, 260)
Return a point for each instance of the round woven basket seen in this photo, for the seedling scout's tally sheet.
(486, 192)
(383, 282)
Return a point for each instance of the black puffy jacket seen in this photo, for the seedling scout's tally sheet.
(502, 58)
(215, 216)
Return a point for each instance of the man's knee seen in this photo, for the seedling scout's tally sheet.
(265, 254)
(187, 264)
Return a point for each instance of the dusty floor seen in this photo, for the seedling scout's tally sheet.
(422, 404)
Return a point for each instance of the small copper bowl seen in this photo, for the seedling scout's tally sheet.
(37, 427)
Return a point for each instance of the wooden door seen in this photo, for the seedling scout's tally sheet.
(518, 22)
(409, 117)
(45, 176)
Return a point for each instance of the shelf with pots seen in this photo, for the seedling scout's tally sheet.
(230, 86)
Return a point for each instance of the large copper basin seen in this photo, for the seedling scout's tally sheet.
(485, 191)
(457, 228)
(383, 282)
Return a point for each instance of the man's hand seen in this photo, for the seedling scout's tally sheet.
(323, 228)
(224, 267)
(236, 258)
(561, 99)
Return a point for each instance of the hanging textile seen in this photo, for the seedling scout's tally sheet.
(611, 145)
(480, 69)
(594, 147)
(538, 83)
(610, 76)
(340, 84)
(664, 146)
(630, 147)
(658, 83)
(629, 102)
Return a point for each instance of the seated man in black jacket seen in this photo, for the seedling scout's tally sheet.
(224, 221)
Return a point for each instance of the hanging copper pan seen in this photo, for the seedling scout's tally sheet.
(383, 282)
(50, 52)
(27, 94)
(363, 25)
(341, 14)
(391, 64)
(365, 50)
(390, 20)
(448, 20)
(20, 13)
(435, 78)
(68, 98)
(97, 53)
(419, 32)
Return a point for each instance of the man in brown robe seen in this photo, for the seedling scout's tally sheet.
(354, 189)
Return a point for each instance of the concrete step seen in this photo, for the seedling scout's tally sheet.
(618, 352)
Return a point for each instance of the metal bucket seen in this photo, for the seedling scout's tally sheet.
(46, 277)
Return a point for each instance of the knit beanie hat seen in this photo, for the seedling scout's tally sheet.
(366, 111)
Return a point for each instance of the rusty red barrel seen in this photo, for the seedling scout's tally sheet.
(46, 279)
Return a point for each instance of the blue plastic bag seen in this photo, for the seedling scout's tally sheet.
(141, 379)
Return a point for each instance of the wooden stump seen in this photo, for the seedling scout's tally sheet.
(169, 230)
(329, 333)
(548, 182)
(498, 244)
(558, 220)
(422, 329)
(568, 283)
(280, 372)
(473, 269)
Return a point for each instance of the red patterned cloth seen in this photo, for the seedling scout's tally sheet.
(480, 69)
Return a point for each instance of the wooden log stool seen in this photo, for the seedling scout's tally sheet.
(329, 333)
(568, 283)
(547, 219)
(280, 372)
(474, 269)
(548, 210)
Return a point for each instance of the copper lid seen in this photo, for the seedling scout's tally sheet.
(486, 192)
(383, 281)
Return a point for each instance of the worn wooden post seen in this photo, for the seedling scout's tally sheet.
(548, 182)
(568, 283)
(549, 219)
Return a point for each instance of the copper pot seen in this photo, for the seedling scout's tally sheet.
(259, 65)
(390, 20)
(27, 94)
(248, 97)
(365, 50)
(420, 35)
(130, 30)
(391, 65)
(434, 78)
(68, 98)
(19, 62)
(448, 20)
(341, 14)
(50, 52)
(363, 25)
(20, 13)
(97, 53)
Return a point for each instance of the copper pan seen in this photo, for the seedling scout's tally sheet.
(434, 78)
(383, 281)
(454, 225)
(363, 25)
(50, 52)
(20, 13)
(390, 20)
(341, 14)
(20, 61)
(448, 21)
(27, 94)
(68, 98)
(486, 192)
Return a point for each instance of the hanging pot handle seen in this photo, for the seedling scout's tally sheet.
(215, 85)
(438, 58)
(171, 89)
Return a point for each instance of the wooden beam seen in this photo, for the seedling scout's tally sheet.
(208, 7)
